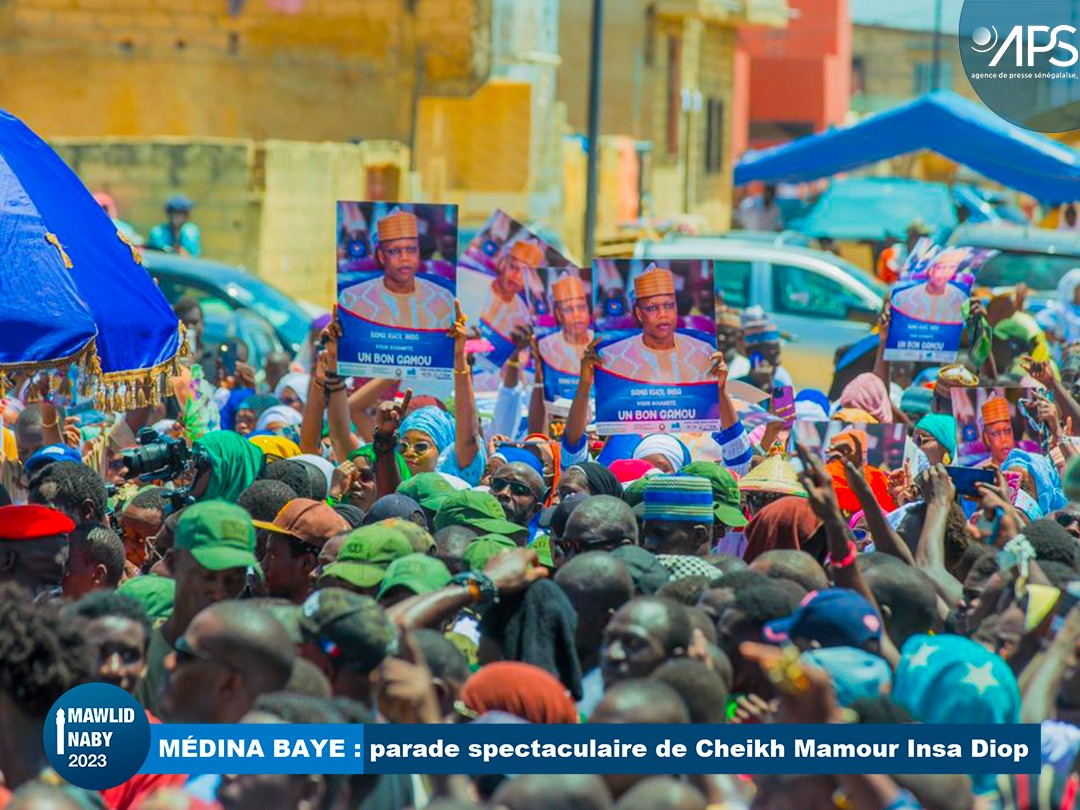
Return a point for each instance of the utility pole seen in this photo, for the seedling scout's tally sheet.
(935, 71)
(591, 180)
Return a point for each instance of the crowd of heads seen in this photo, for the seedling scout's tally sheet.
(392, 560)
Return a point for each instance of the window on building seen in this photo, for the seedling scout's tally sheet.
(801, 291)
(714, 136)
(858, 75)
(674, 93)
(923, 77)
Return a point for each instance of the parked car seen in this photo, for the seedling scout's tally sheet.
(1036, 256)
(235, 304)
(820, 300)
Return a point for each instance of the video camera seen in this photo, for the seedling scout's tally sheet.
(163, 458)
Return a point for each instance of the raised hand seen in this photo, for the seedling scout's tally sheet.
(389, 414)
(590, 360)
(718, 368)
(818, 485)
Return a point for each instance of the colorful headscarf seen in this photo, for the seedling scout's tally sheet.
(1044, 474)
(297, 381)
(942, 427)
(432, 421)
(258, 404)
(787, 523)
(278, 414)
(276, 447)
(867, 392)
(523, 690)
(232, 405)
(368, 451)
(666, 445)
(235, 464)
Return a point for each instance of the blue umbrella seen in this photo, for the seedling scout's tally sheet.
(72, 288)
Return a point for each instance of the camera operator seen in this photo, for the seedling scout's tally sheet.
(226, 464)
(219, 466)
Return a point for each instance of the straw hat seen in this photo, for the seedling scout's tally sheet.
(774, 474)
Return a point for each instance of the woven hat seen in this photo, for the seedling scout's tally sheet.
(995, 409)
(398, 225)
(654, 281)
(679, 498)
(567, 288)
(774, 474)
(528, 252)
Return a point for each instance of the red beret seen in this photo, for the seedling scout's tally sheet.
(31, 522)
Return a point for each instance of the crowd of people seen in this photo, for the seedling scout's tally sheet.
(299, 547)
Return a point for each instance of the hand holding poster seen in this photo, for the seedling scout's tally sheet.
(564, 330)
(927, 305)
(657, 343)
(396, 289)
(500, 284)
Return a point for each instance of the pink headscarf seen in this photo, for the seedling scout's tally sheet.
(868, 393)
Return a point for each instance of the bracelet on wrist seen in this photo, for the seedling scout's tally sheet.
(480, 587)
(849, 559)
(384, 443)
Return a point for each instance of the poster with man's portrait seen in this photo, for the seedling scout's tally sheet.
(396, 286)
(565, 328)
(927, 305)
(499, 284)
(992, 422)
(657, 325)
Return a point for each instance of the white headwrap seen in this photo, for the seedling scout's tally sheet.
(666, 445)
(297, 381)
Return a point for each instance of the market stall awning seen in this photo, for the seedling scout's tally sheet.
(72, 289)
(944, 122)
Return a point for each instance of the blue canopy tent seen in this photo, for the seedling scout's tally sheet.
(942, 121)
(72, 289)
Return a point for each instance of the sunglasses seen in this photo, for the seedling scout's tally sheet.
(367, 475)
(517, 488)
(415, 449)
(185, 653)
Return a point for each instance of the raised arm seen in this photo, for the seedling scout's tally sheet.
(578, 418)
(466, 438)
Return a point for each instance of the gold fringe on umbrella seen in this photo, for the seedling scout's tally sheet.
(113, 392)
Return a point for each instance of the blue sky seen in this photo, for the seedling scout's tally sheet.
(916, 15)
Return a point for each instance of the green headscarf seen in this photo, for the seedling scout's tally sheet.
(236, 463)
(942, 427)
(368, 451)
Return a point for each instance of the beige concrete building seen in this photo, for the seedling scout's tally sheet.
(669, 78)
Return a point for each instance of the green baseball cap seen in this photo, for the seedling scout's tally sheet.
(428, 489)
(727, 498)
(422, 542)
(483, 548)
(541, 544)
(477, 510)
(218, 534)
(366, 553)
(349, 628)
(154, 593)
(417, 572)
